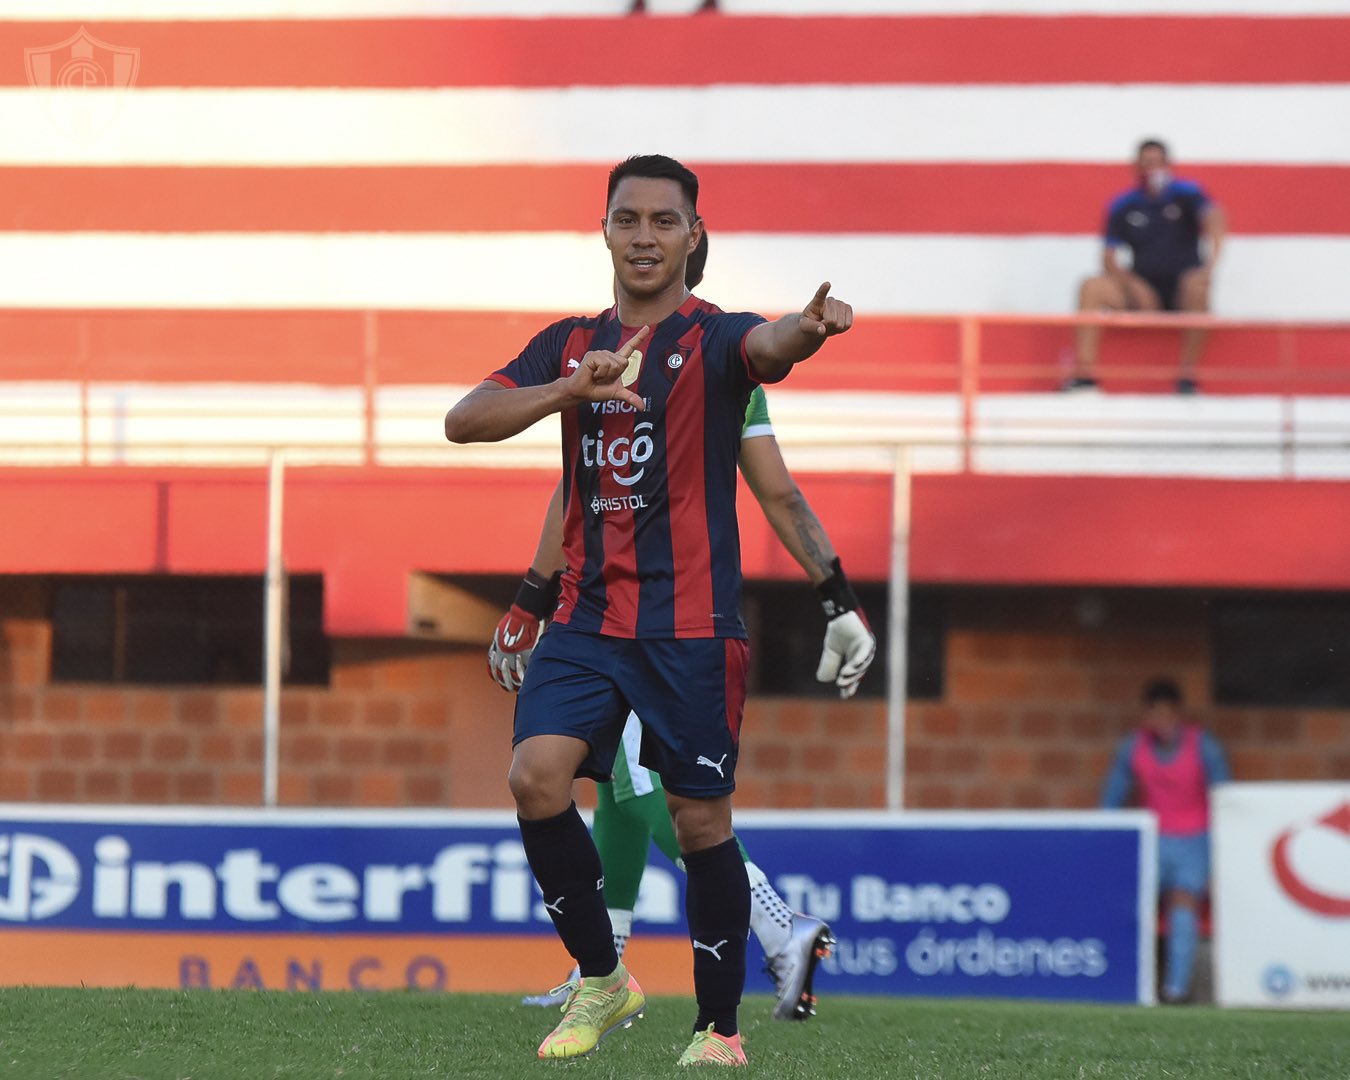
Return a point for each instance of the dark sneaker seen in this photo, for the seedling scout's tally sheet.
(1077, 383)
(1187, 386)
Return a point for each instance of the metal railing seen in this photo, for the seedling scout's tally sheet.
(1289, 411)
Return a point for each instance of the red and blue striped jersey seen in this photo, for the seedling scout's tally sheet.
(649, 512)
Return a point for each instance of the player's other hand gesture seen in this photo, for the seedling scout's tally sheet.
(599, 376)
(825, 316)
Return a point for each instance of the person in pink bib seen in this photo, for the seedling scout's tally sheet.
(1169, 765)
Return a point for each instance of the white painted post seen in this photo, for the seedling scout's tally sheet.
(273, 630)
(897, 632)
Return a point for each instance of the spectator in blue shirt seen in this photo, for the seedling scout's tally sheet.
(1171, 763)
(1174, 233)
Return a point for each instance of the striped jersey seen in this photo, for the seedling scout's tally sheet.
(649, 511)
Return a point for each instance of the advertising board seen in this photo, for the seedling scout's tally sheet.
(1282, 895)
(1044, 905)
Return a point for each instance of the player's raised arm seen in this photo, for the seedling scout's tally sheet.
(774, 347)
(491, 412)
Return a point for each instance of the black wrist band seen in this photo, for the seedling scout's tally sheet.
(836, 594)
(538, 595)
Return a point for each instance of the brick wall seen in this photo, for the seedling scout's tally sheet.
(1043, 685)
(402, 724)
(1040, 689)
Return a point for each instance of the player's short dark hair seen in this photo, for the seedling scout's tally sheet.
(1159, 691)
(655, 167)
(698, 259)
(1153, 144)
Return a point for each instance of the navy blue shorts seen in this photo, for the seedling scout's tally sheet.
(689, 694)
(1168, 287)
(1165, 285)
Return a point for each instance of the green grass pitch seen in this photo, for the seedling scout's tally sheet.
(50, 1034)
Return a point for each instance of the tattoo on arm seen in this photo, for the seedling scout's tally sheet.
(811, 535)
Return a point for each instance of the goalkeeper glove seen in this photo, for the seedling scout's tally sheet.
(514, 639)
(850, 646)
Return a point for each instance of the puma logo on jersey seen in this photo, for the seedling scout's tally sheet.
(572, 365)
(710, 948)
(712, 764)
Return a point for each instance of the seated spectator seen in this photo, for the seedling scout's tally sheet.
(1162, 221)
(1171, 762)
(640, 7)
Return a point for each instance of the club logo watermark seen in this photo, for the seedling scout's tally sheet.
(88, 73)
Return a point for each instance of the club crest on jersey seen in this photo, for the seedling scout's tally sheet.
(630, 373)
(676, 362)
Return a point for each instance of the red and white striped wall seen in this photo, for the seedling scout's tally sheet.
(419, 154)
(386, 197)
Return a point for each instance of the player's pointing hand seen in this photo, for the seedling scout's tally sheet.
(600, 376)
(825, 316)
(626, 349)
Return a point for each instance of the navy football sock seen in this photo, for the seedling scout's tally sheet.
(567, 868)
(718, 902)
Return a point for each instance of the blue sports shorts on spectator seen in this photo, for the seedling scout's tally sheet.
(1183, 863)
(689, 694)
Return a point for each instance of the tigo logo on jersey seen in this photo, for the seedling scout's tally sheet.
(620, 453)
